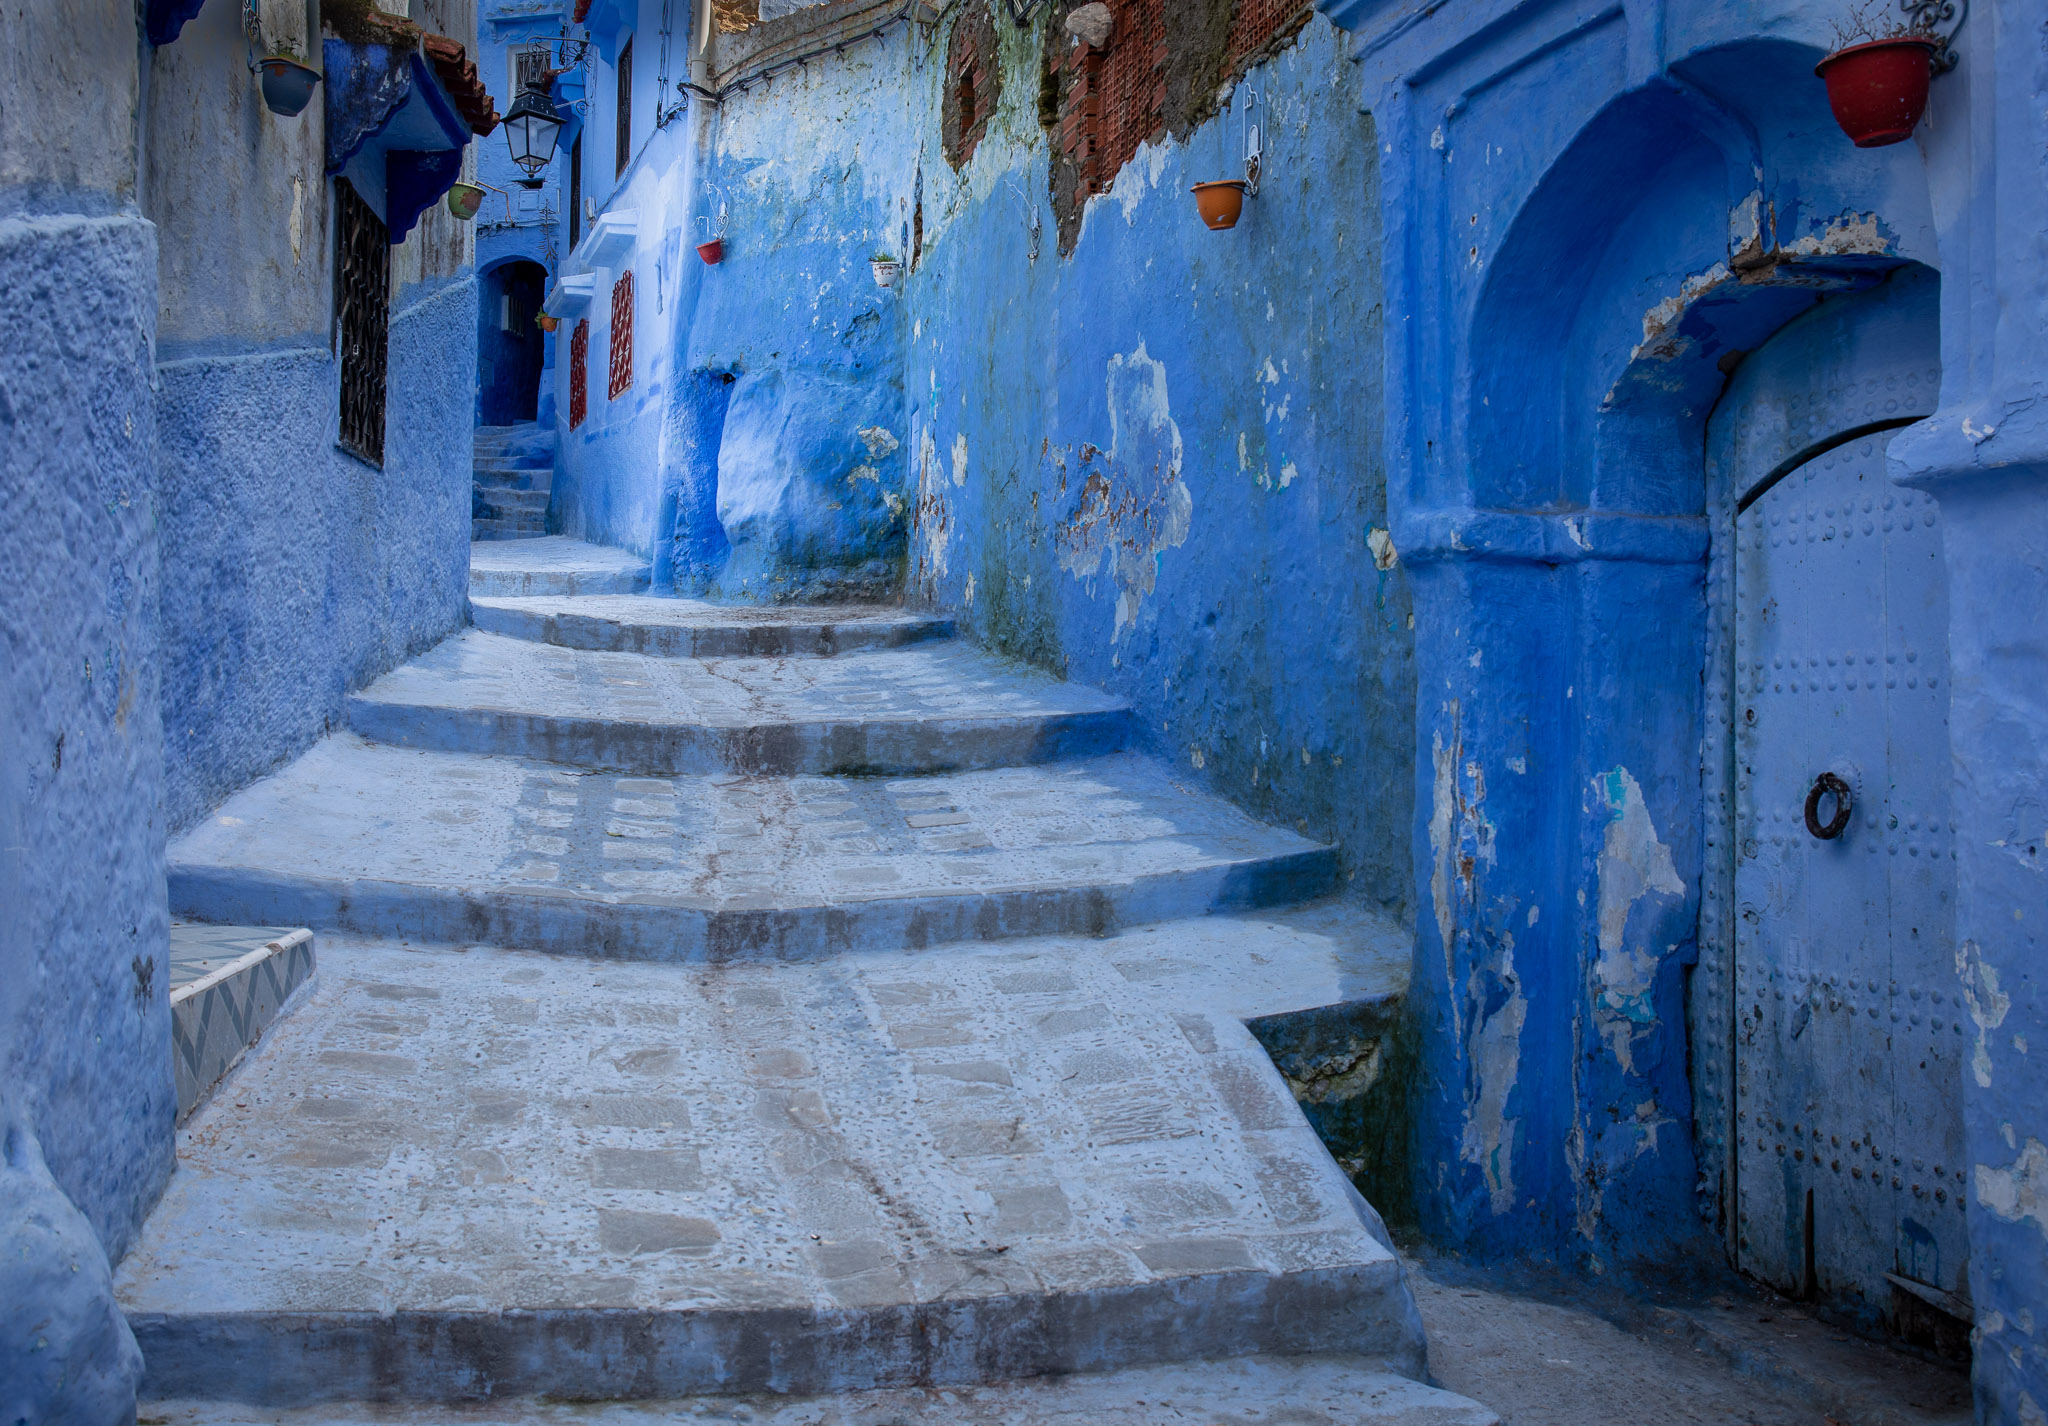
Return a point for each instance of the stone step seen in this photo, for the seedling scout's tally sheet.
(1327, 1390)
(503, 504)
(480, 1174)
(461, 847)
(482, 531)
(688, 628)
(556, 565)
(515, 478)
(937, 707)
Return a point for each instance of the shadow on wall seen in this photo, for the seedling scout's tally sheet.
(510, 349)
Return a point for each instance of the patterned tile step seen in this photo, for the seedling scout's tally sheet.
(228, 985)
(936, 707)
(555, 564)
(689, 628)
(491, 1173)
(460, 848)
(1243, 1391)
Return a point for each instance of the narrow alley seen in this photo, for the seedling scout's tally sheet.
(864, 712)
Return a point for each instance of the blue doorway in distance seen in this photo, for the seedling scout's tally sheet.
(510, 347)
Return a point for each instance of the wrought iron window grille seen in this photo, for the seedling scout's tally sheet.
(362, 312)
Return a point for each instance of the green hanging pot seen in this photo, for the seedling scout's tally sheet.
(464, 199)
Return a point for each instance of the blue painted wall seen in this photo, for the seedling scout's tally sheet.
(1155, 465)
(293, 572)
(85, 1066)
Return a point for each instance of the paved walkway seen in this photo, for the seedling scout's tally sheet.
(629, 1085)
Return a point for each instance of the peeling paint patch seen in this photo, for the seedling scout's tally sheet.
(934, 516)
(880, 441)
(1988, 1005)
(1633, 864)
(2018, 1192)
(1132, 504)
(960, 459)
(1381, 544)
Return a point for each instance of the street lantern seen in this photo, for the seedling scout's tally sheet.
(531, 129)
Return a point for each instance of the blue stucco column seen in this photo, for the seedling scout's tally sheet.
(1557, 855)
(1984, 456)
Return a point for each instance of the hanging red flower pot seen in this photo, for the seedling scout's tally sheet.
(712, 252)
(1878, 90)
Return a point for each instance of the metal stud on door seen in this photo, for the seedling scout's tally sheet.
(1849, 1037)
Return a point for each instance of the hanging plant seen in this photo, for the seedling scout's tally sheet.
(888, 271)
(1879, 72)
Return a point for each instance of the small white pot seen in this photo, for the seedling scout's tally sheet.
(888, 271)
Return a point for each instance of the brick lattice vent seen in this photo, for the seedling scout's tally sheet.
(622, 336)
(974, 83)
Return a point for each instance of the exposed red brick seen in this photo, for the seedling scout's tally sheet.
(974, 80)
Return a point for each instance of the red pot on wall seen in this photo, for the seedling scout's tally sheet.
(1879, 90)
(712, 252)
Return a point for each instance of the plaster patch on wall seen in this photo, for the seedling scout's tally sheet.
(1381, 544)
(1633, 864)
(934, 517)
(1134, 505)
(1988, 1005)
(960, 459)
(2020, 1191)
(1757, 263)
(1495, 1056)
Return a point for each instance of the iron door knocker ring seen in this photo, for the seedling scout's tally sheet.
(1823, 785)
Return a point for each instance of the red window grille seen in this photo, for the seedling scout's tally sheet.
(579, 374)
(622, 335)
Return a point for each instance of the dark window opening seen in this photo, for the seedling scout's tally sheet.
(362, 311)
(531, 68)
(575, 192)
(625, 105)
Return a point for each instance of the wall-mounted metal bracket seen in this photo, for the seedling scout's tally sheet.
(1927, 17)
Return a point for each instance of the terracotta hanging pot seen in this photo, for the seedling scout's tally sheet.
(287, 85)
(1221, 203)
(712, 252)
(547, 323)
(1878, 90)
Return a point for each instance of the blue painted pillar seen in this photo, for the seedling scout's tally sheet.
(1557, 860)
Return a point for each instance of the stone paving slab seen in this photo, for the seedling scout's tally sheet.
(459, 848)
(465, 1174)
(1244, 1391)
(932, 708)
(554, 564)
(690, 628)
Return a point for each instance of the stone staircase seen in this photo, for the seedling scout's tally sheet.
(780, 1015)
(515, 470)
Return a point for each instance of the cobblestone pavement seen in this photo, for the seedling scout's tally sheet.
(934, 707)
(1251, 1391)
(783, 1081)
(641, 623)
